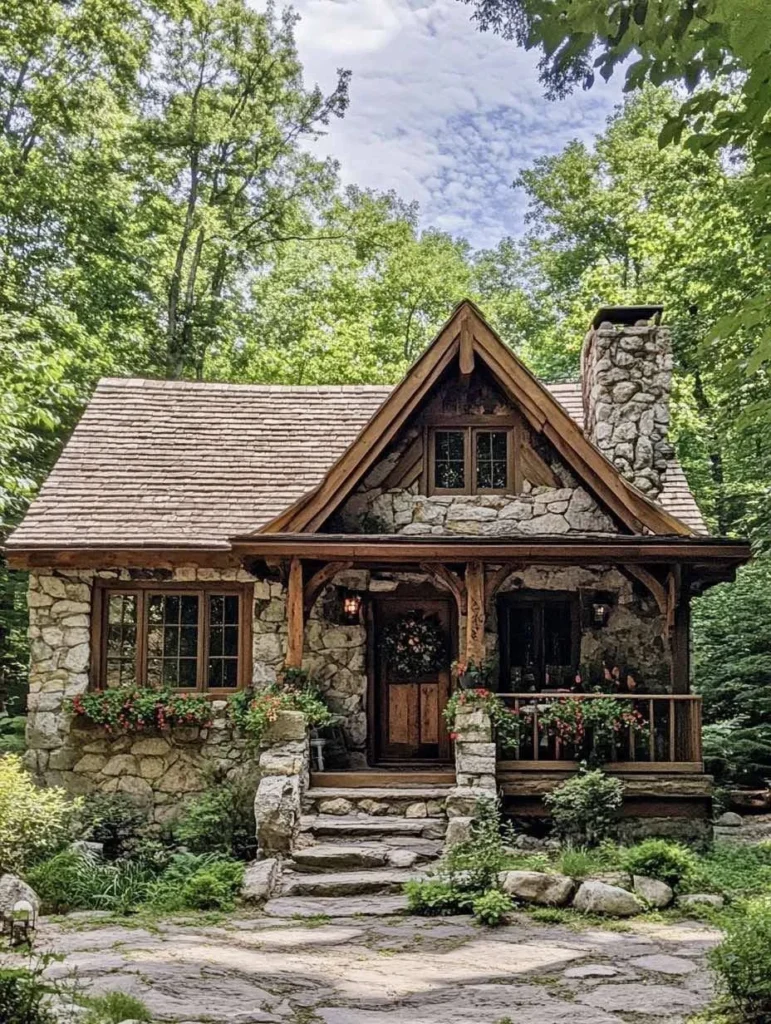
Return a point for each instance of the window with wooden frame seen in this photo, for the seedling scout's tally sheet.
(470, 460)
(172, 637)
(539, 635)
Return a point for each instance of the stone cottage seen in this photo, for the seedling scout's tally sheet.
(201, 536)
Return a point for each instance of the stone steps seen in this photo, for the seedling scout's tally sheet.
(380, 801)
(333, 856)
(373, 827)
(383, 881)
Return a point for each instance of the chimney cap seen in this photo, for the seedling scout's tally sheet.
(626, 315)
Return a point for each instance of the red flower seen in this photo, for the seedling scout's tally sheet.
(453, 735)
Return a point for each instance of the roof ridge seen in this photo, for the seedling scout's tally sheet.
(193, 385)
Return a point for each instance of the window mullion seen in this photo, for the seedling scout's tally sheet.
(203, 637)
(469, 462)
(141, 651)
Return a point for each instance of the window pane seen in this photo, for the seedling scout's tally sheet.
(231, 610)
(121, 640)
(216, 609)
(449, 459)
(223, 625)
(491, 459)
(172, 640)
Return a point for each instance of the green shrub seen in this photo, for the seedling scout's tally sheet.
(579, 862)
(733, 871)
(670, 862)
(220, 821)
(743, 960)
(114, 1007)
(492, 907)
(34, 822)
(585, 808)
(115, 821)
(12, 735)
(69, 881)
(197, 883)
(23, 998)
(436, 897)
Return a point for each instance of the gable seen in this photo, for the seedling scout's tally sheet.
(467, 342)
(541, 495)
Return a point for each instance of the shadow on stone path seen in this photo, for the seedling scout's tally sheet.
(400, 970)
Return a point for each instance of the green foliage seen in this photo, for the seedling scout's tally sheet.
(114, 820)
(113, 1008)
(196, 882)
(468, 870)
(579, 862)
(672, 863)
(734, 871)
(126, 709)
(732, 671)
(33, 822)
(585, 808)
(254, 710)
(69, 881)
(506, 722)
(221, 820)
(743, 959)
(436, 897)
(12, 735)
(492, 907)
(24, 998)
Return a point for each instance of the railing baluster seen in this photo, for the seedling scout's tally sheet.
(651, 732)
(536, 737)
(672, 731)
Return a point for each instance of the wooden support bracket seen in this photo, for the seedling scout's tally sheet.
(494, 583)
(448, 579)
(319, 580)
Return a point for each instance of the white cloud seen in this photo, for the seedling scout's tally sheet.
(439, 112)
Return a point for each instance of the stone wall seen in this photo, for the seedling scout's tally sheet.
(537, 510)
(627, 377)
(156, 769)
(634, 635)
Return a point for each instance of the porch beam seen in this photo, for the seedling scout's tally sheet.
(295, 617)
(475, 612)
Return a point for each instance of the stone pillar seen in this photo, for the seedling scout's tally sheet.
(284, 766)
(475, 757)
(627, 376)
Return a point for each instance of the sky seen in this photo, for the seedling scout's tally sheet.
(439, 112)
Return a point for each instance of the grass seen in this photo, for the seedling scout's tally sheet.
(112, 1008)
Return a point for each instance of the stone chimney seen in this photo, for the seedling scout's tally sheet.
(626, 371)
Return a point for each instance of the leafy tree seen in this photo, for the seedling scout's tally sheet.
(732, 670)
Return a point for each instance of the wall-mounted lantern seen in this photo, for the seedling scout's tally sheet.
(351, 608)
(600, 614)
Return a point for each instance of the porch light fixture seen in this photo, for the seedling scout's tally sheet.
(600, 613)
(351, 607)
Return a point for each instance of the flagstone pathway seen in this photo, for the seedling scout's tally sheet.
(391, 970)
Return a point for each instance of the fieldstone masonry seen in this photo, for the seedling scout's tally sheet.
(627, 377)
(475, 756)
(284, 764)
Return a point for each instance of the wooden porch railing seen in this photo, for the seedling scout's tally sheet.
(668, 739)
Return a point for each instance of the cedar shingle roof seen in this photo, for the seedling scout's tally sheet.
(191, 464)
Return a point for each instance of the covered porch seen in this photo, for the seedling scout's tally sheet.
(467, 583)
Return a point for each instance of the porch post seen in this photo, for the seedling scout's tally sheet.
(475, 612)
(295, 618)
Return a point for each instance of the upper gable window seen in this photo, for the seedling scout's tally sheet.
(470, 460)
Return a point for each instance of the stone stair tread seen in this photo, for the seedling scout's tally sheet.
(347, 883)
(416, 793)
(335, 906)
(334, 855)
(372, 825)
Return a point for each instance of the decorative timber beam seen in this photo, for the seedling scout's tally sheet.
(450, 580)
(319, 580)
(466, 351)
(475, 612)
(295, 617)
(494, 583)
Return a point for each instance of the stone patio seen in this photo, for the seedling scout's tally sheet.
(390, 970)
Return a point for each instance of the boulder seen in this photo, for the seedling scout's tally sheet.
(538, 887)
(12, 891)
(87, 850)
(595, 897)
(277, 813)
(652, 891)
(458, 830)
(261, 879)
(730, 820)
(701, 899)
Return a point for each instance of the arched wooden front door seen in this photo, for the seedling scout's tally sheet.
(406, 722)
